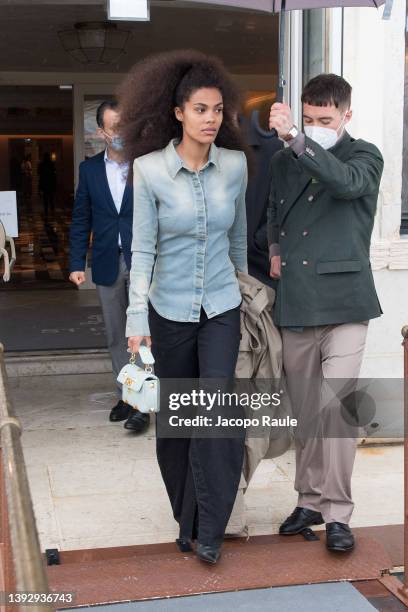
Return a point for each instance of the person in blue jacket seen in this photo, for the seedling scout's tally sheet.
(104, 208)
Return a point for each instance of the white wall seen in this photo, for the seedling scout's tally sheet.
(374, 61)
(384, 354)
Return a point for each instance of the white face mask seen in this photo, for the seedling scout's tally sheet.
(325, 137)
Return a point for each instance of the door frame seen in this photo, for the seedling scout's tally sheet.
(333, 61)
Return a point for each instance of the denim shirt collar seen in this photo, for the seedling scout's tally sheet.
(175, 163)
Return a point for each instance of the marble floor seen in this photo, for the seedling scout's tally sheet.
(96, 485)
(42, 247)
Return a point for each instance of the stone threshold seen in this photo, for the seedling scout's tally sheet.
(51, 363)
(95, 361)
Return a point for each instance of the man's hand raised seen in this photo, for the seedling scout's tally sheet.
(281, 119)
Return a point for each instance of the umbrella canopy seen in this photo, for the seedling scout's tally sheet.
(275, 6)
(281, 6)
(291, 5)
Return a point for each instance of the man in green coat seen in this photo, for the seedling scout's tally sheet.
(321, 213)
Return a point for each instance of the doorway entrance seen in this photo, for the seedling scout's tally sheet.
(36, 156)
(41, 173)
(40, 310)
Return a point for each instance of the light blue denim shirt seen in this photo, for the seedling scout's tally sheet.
(189, 236)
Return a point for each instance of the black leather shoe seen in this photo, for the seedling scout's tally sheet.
(299, 519)
(184, 545)
(120, 412)
(209, 554)
(137, 422)
(339, 537)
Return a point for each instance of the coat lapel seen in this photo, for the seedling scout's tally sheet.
(104, 183)
(126, 197)
(301, 178)
(342, 148)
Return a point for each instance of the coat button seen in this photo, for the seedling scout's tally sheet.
(310, 198)
(305, 233)
(283, 233)
(283, 263)
(282, 201)
(305, 262)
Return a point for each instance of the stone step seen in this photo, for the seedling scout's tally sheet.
(95, 361)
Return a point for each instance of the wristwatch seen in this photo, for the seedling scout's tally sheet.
(293, 132)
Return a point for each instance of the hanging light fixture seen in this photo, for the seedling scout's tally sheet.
(95, 42)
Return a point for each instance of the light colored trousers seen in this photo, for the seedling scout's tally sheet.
(114, 302)
(313, 359)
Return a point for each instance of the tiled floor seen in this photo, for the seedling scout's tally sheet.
(42, 248)
(96, 485)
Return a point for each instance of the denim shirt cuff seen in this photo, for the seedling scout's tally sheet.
(137, 324)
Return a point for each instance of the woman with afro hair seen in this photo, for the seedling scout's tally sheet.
(178, 118)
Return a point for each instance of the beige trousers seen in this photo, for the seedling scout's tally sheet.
(322, 364)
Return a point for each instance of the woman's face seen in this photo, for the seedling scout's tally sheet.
(201, 116)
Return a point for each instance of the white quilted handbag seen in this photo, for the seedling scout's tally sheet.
(140, 387)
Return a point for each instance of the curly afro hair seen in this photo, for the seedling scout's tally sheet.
(159, 83)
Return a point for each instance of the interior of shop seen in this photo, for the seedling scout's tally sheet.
(36, 161)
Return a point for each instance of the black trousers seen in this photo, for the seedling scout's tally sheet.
(201, 474)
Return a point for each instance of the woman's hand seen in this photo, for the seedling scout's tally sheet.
(134, 342)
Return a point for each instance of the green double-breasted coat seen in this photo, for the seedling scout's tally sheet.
(321, 212)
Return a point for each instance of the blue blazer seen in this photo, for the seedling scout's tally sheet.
(95, 211)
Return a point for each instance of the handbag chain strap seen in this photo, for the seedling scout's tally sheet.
(147, 368)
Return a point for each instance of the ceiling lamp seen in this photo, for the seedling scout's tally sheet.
(95, 42)
(129, 10)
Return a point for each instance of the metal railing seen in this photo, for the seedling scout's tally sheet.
(393, 584)
(405, 346)
(23, 567)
